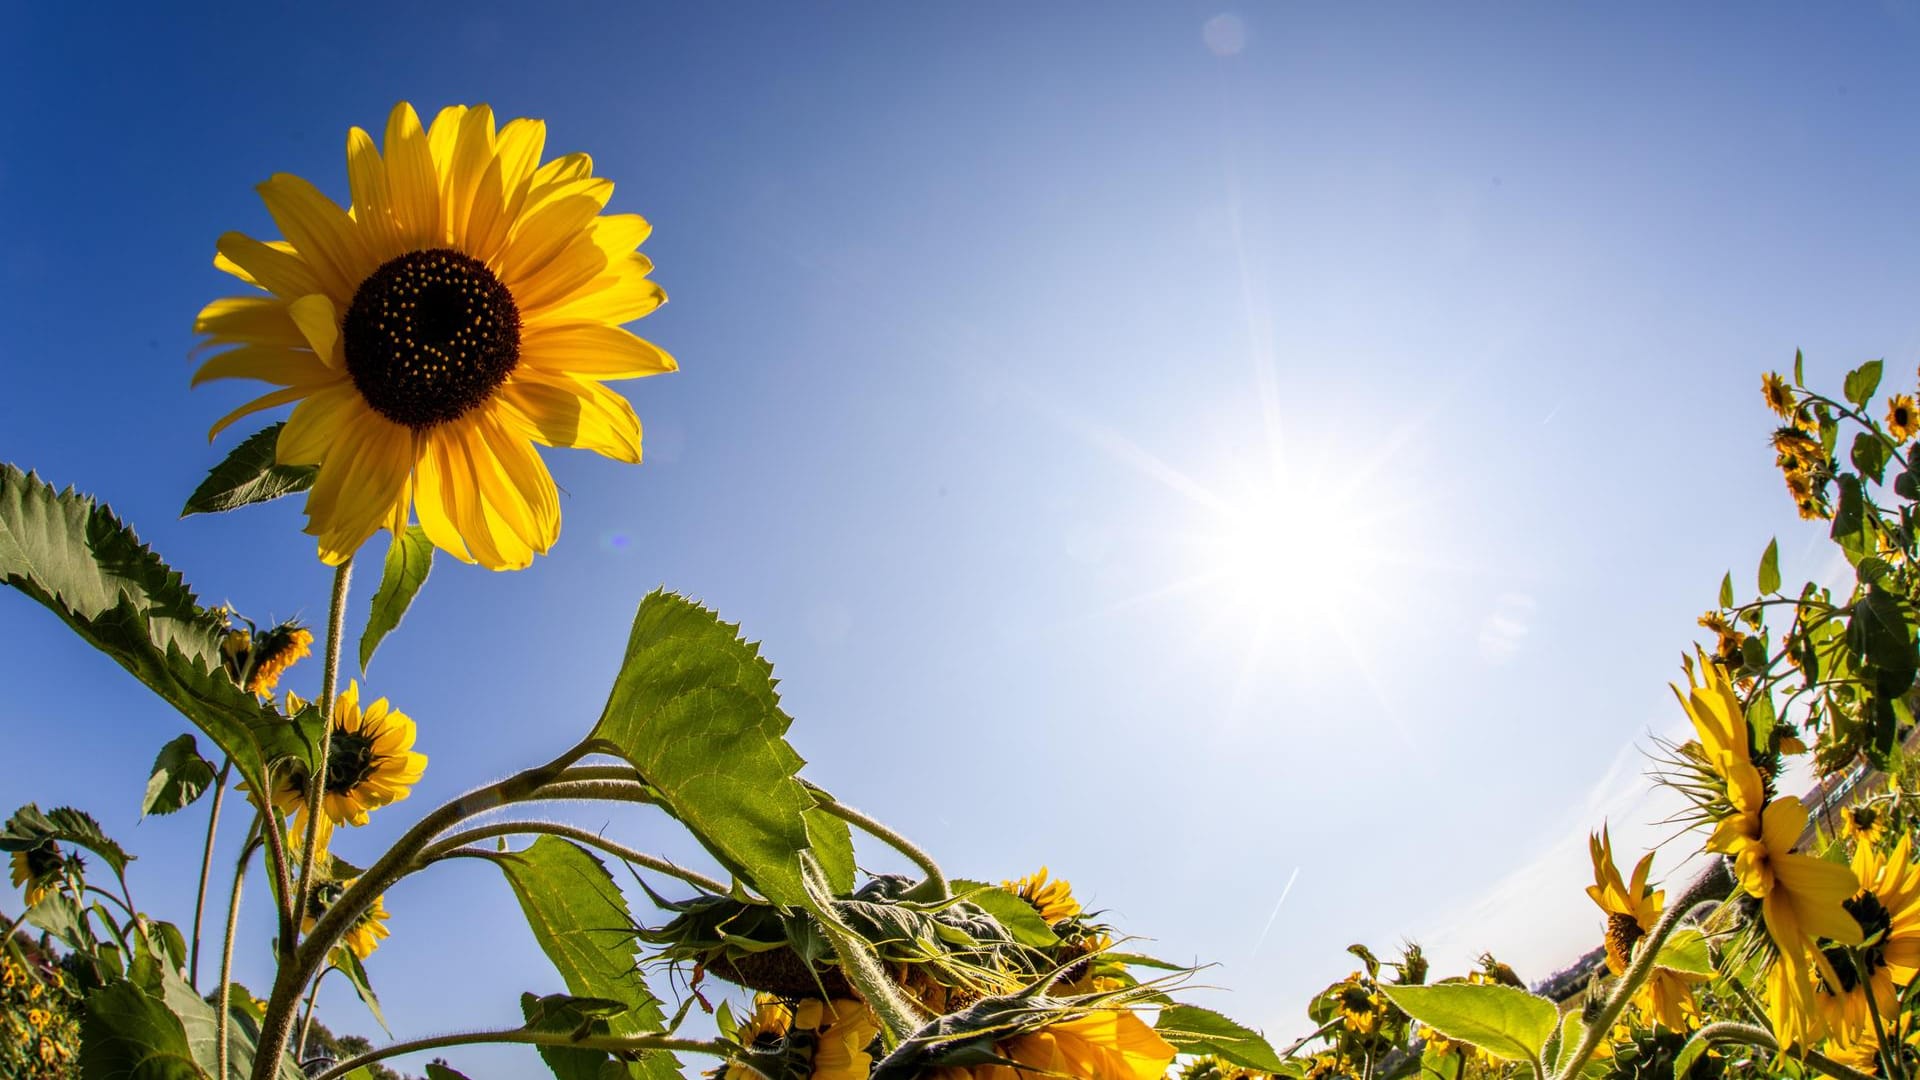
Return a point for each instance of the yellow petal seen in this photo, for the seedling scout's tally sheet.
(267, 363)
(276, 268)
(251, 320)
(611, 298)
(519, 147)
(320, 231)
(352, 498)
(320, 324)
(557, 410)
(278, 397)
(618, 234)
(597, 351)
(433, 502)
(411, 181)
(472, 153)
(570, 272)
(324, 421)
(372, 205)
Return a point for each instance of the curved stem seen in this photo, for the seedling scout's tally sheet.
(935, 885)
(1713, 883)
(206, 871)
(317, 779)
(447, 846)
(271, 832)
(306, 1022)
(291, 979)
(1728, 1031)
(112, 897)
(532, 1038)
(221, 1036)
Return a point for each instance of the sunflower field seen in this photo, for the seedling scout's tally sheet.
(470, 305)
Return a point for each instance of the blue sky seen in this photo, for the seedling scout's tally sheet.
(1215, 451)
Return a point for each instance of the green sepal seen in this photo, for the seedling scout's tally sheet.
(409, 561)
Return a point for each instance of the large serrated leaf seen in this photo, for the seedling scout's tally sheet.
(75, 557)
(409, 560)
(179, 776)
(127, 1035)
(1202, 1031)
(1505, 1021)
(1685, 951)
(695, 711)
(29, 827)
(248, 475)
(581, 922)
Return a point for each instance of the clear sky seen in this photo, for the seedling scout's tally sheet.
(1223, 453)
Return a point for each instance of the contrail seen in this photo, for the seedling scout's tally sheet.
(1291, 878)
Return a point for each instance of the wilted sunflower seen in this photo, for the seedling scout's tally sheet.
(1902, 418)
(1779, 398)
(1052, 899)
(371, 763)
(466, 306)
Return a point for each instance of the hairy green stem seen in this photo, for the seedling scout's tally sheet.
(306, 1022)
(449, 846)
(532, 1038)
(290, 981)
(221, 1039)
(317, 780)
(1728, 1031)
(206, 872)
(1715, 882)
(270, 831)
(935, 885)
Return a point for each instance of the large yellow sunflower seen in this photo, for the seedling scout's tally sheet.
(1052, 899)
(1109, 1045)
(466, 306)
(1887, 907)
(371, 763)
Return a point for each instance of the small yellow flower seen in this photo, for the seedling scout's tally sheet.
(1779, 398)
(844, 1030)
(278, 650)
(36, 871)
(1863, 825)
(766, 1030)
(38, 1017)
(1052, 899)
(1902, 418)
(367, 931)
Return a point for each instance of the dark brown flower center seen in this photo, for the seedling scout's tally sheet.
(1875, 921)
(1623, 932)
(429, 336)
(350, 761)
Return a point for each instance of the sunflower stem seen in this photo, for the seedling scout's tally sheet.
(290, 981)
(272, 832)
(611, 1043)
(449, 847)
(221, 1041)
(933, 888)
(206, 871)
(1714, 882)
(317, 780)
(1729, 1031)
(306, 1021)
(1889, 1057)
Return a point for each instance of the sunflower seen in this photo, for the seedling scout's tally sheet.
(371, 763)
(258, 663)
(1779, 398)
(1902, 418)
(1726, 742)
(1105, 1045)
(1887, 907)
(844, 1032)
(1632, 910)
(1801, 898)
(466, 306)
(36, 870)
(1052, 899)
(1863, 825)
(764, 1032)
(368, 929)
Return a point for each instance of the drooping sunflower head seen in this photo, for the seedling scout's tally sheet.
(36, 871)
(1779, 396)
(369, 928)
(258, 661)
(1052, 899)
(1863, 824)
(466, 306)
(1632, 908)
(371, 763)
(1903, 419)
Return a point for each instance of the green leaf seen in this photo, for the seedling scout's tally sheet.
(249, 475)
(409, 559)
(1870, 456)
(437, 1071)
(1726, 590)
(1770, 568)
(1850, 528)
(690, 696)
(355, 973)
(1862, 382)
(581, 921)
(564, 1014)
(1194, 1030)
(28, 828)
(180, 774)
(1018, 916)
(1505, 1021)
(126, 1035)
(200, 1021)
(1799, 373)
(73, 556)
(1685, 951)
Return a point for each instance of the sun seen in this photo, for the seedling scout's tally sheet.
(1290, 552)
